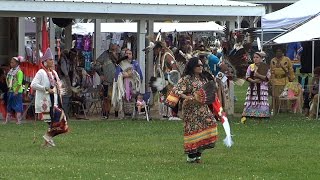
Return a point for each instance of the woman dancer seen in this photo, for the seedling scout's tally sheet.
(200, 128)
(256, 104)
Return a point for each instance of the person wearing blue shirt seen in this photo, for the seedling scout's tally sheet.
(213, 62)
(128, 78)
(134, 63)
(216, 53)
(294, 50)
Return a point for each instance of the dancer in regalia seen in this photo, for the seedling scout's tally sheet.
(200, 127)
(166, 66)
(14, 82)
(256, 104)
(48, 98)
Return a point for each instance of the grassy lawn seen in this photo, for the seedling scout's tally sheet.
(284, 147)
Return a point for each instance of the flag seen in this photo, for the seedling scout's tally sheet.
(45, 36)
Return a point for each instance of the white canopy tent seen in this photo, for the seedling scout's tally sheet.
(293, 14)
(306, 32)
(85, 28)
(190, 10)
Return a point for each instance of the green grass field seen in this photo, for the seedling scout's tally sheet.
(284, 147)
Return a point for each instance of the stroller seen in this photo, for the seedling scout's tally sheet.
(145, 110)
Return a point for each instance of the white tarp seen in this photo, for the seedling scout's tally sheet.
(85, 28)
(188, 10)
(170, 2)
(305, 32)
(295, 13)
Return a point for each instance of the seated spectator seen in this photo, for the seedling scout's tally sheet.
(313, 93)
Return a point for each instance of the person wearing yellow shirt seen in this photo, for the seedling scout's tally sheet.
(281, 73)
(14, 81)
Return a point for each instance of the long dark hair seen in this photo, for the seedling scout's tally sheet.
(189, 70)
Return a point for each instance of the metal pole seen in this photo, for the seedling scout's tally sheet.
(318, 99)
(238, 22)
(312, 58)
(262, 42)
(38, 39)
(318, 80)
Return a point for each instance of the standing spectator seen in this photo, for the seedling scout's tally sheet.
(127, 82)
(14, 82)
(65, 67)
(108, 60)
(216, 53)
(214, 64)
(294, 50)
(281, 73)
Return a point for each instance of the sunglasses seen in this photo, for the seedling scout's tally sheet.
(199, 65)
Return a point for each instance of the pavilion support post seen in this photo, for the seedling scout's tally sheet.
(21, 36)
(149, 55)
(97, 38)
(141, 54)
(68, 37)
(38, 38)
(52, 37)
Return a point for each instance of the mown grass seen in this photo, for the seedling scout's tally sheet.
(283, 147)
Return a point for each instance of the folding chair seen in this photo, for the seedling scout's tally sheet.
(28, 105)
(297, 99)
(93, 100)
(79, 106)
(146, 108)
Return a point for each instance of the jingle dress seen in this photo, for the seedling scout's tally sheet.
(256, 103)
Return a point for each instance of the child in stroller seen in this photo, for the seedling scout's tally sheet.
(140, 103)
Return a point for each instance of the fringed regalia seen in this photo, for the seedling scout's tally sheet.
(256, 104)
(126, 88)
(162, 69)
(49, 106)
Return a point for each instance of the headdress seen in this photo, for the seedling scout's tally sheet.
(47, 55)
(263, 54)
(154, 43)
(19, 58)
